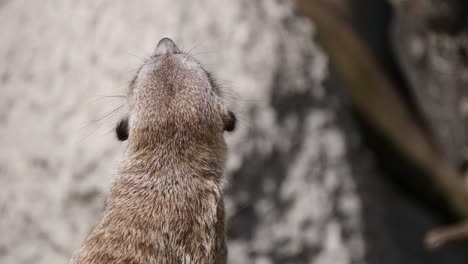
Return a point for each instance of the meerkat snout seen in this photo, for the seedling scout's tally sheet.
(166, 46)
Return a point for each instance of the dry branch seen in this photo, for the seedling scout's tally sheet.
(373, 95)
(439, 237)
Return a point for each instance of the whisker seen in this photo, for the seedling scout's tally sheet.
(107, 115)
(204, 53)
(243, 122)
(236, 213)
(106, 97)
(138, 57)
(197, 43)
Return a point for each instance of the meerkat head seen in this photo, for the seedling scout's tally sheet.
(172, 96)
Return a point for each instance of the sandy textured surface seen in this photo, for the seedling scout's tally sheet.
(290, 197)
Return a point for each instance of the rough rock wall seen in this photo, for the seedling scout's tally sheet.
(290, 197)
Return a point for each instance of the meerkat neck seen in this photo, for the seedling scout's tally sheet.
(201, 160)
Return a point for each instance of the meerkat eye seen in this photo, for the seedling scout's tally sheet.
(230, 122)
(122, 129)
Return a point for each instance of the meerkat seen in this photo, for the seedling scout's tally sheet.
(166, 203)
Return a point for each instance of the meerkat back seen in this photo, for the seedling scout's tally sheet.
(166, 203)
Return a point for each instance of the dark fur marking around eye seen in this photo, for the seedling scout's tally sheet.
(122, 129)
(230, 122)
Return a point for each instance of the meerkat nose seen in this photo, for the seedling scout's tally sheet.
(166, 46)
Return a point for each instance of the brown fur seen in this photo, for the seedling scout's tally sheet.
(166, 204)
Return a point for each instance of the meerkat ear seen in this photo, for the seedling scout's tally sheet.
(230, 122)
(122, 129)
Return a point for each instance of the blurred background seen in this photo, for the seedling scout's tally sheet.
(352, 140)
